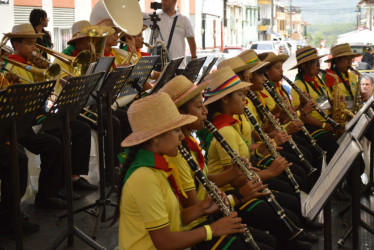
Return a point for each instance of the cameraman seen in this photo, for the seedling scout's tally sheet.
(182, 29)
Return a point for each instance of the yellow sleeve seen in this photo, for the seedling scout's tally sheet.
(294, 95)
(20, 72)
(231, 137)
(149, 198)
(187, 180)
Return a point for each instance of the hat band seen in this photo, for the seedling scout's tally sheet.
(306, 53)
(76, 34)
(227, 84)
(253, 60)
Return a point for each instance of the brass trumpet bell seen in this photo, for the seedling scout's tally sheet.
(77, 65)
(97, 35)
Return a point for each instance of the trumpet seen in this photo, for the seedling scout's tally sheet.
(77, 65)
(164, 51)
(52, 73)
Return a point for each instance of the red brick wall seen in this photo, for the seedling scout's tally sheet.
(64, 4)
(28, 2)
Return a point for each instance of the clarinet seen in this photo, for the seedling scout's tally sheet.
(282, 104)
(333, 123)
(274, 153)
(291, 143)
(211, 189)
(250, 174)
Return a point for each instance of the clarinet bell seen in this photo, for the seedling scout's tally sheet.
(308, 167)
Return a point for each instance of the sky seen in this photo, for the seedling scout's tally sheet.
(326, 11)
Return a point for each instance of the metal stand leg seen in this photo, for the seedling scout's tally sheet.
(327, 226)
(356, 203)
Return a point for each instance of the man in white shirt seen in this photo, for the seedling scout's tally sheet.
(183, 29)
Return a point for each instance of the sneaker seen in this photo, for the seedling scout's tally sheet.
(53, 202)
(83, 184)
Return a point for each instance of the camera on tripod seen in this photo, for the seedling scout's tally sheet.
(156, 6)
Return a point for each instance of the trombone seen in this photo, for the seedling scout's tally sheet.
(127, 58)
(77, 65)
(52, 73)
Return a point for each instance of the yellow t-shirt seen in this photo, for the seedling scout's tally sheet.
(352, 79)
(269, 101)
(313, 95)
(254, 112)
(218, 158)
(188, 182)
(22, 73)
(147, 203)
(245, 127)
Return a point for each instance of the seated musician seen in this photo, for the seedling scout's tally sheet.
(308, 81)
(24, 44)
(77, 44)
(149, 212)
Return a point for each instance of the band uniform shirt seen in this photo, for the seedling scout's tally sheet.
(315, 96)
(269, 101)
(183, 29)
(188, 182)
(147, 203)
(218, 158)
(352, 80)
(245, 127)
(253, 111)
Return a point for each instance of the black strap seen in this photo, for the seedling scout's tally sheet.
(346, 84)
(172, 32)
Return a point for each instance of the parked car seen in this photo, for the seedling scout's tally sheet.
(229, 52)
(264, 46)
(282, 47)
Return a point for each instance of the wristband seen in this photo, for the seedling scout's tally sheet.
(298, 113)
(258, 154)
(209, 233)
(231, 200)
(323, 124)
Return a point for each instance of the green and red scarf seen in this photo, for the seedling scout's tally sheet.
(194, 147)
(145, 158)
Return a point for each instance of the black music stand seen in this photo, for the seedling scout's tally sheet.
(192, 70)
(166, 75)
(112, 84)
(344, 158)
(362, 126)
(19, 105)
(70, 102)
(139, 76)
(207, 70)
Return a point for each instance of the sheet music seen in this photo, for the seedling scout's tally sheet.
(357, 116)
(336, 169)
(193, 68)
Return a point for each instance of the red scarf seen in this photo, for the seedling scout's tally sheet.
(75, 53)
(224, 120)
(19, 59)
(330, 79)
(194, 147)
(110, 54)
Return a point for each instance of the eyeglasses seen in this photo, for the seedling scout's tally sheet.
(315, 62)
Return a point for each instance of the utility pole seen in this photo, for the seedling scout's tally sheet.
(291, 18)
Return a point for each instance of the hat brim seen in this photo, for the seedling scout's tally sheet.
(305, 61)
(344, 54)
(25, 35)
(281, 58)
(227, 91)
(76, 38)
(258, 66)
(138, 138)
(191, 93)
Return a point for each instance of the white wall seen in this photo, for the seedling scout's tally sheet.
(47, 5)
(6, 13)
(82, 10)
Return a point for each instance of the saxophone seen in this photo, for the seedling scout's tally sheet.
(357, 99)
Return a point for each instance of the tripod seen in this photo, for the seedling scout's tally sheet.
(155, 30)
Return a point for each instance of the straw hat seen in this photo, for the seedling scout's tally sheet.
(306, 54)
(24, 30)
(181, 90)
(235, 63)
(262, 56)
(341, 50)
(273, 58)
(223, 82)
(76, 30)
(250, 58)
(151, 116)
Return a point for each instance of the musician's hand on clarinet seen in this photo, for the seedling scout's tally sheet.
(328, 127)
(281, 137)
(262, 149)
(246, 161)
(279, 165)
(252, 189)
(228, 225)
(294, 127)
(309, 106)
(208, 206)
